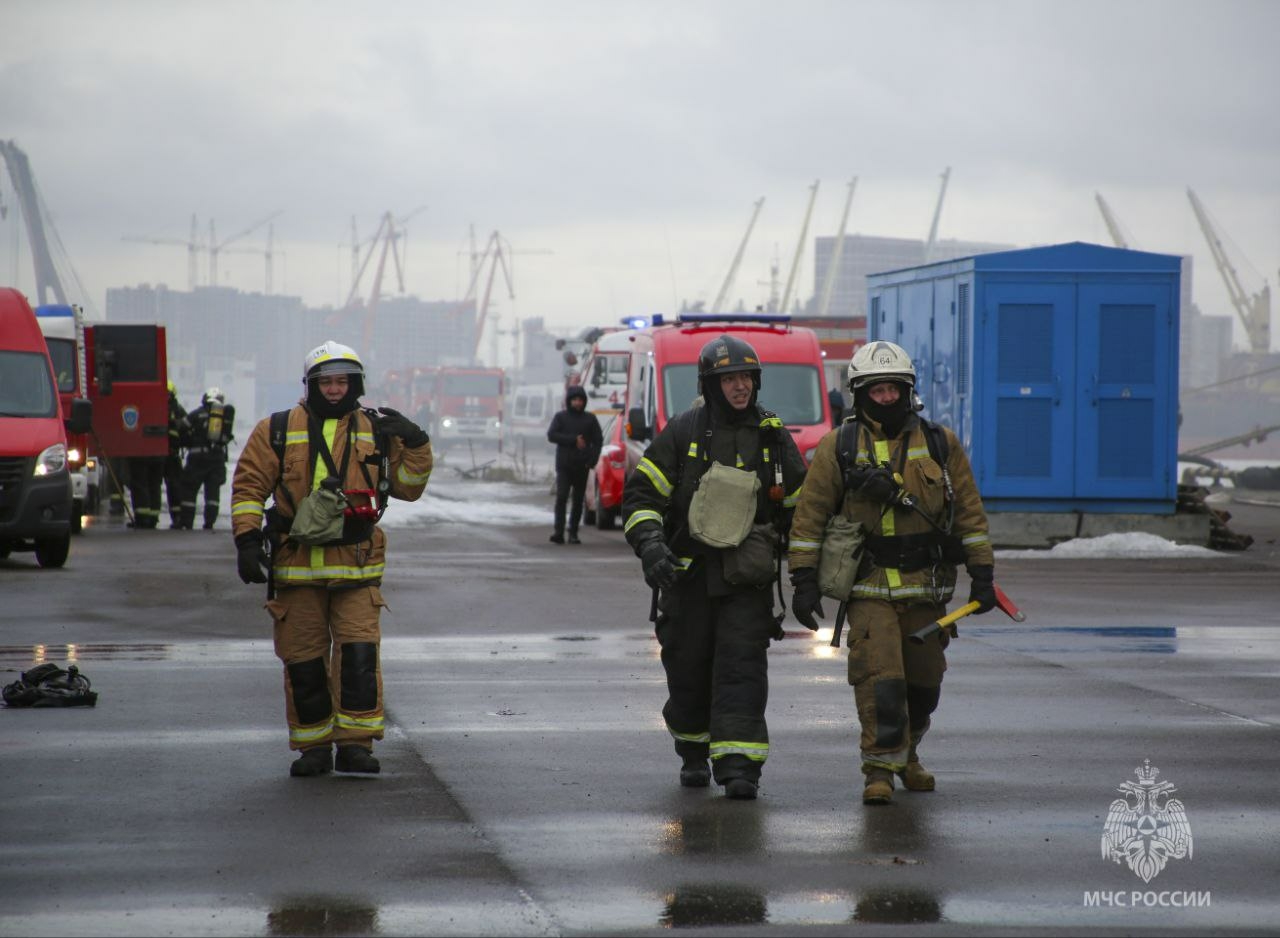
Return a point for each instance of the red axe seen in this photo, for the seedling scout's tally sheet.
(1003, 603)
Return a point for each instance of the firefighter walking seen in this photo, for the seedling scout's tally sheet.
(329, 467)
(212, 430)
(909, 484)
(179, 430)
(715, 603)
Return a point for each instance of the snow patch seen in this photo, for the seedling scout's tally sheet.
(1117, 546)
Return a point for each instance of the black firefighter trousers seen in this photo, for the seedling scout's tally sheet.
(715, 653)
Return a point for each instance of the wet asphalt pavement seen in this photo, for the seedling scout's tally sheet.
(529, 787)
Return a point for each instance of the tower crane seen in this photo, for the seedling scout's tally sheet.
(829, 281)
(737, 259)
(192, 244)
(1254, 310)
(268, 254)
(795, 259)
(1117, 233)
(216, 246)
(937, 215)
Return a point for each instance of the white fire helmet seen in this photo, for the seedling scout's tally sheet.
(880, 361)
(332, 358)
(214, 395)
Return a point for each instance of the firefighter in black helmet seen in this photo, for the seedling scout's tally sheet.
(715, 602)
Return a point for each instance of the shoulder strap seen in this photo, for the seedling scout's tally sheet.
(846, 443)
(279, 434)
(937, 442)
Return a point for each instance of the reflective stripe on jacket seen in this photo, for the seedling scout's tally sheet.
(259, 469)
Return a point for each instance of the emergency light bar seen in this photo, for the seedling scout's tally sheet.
(779, 318)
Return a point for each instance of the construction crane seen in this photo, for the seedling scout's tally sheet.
(48, 285)
(937, 215)
(216, 246)
(269, 254)
(737, 260)
(1254, 310)
(795, 259)
(494, 256)
(1117, 233)
(192, 244)
(829, 281)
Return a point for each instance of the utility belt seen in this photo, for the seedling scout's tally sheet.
(911, 552)
(356, 528)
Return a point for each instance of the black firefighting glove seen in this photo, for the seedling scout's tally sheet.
(982, 587)
(393, 423)
(806, 600)
(875, 483)
(252, 562)
(659, 563)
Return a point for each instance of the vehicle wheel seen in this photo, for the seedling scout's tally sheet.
(53, 553)
(77, 509)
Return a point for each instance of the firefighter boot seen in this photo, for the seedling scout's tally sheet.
(740, 789)
(915, 777)
(356, 759)
(695, 773)
(878, 787)
(318, 760)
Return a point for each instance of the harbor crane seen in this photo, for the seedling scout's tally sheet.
(387, 240)
(737, 260)
(795, 258)
(192, 244)
(1118, 235)
(833, 268)
(1254, 309)
(932, 240)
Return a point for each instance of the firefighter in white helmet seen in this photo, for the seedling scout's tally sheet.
(329, 466)
(907, 481)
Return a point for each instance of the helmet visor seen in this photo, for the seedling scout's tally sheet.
(335, 366)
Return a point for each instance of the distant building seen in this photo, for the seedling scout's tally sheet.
(871, 254)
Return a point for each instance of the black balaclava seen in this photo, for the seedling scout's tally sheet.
(713, 396)
(892, 417)
(575, 390)
(317, 404)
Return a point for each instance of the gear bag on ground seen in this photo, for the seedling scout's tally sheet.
(48, 685)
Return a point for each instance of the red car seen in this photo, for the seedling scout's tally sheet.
(604, 482)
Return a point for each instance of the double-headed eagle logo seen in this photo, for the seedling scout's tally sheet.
(1146, 828)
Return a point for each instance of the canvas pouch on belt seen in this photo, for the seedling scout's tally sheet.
(840, 556)
(319, 518)
(754, 562)
(723, 506)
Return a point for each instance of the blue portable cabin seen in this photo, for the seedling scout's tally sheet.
(1056, 366)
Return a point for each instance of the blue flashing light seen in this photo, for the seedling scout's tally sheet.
(54, 310)
(634, 322)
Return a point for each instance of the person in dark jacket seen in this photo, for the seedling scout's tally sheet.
(576, 433)
(715, 622)
(212, 426)
(179, 429)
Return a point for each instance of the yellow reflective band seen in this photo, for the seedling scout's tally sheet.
(412, 478)
(882, 451)
(740, 463)
(893, 577)
(797, 544)
(771, 423)
(362, 437)
(322, 471)
(684, 562)
(766, 454)
(868, 591)
(689, 737)
(655, 476)
(247, 508)
(918, 452)
(790, 500)
(295, 437)
(311, 734)
(337, 572)
(644, 514)
(975, 539)
(693, 449)
(756, 752)
(347, 722)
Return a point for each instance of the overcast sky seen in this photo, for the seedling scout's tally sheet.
(630, 140)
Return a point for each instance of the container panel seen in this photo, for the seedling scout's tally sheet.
(1023, 432)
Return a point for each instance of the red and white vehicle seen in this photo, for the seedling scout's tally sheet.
(603, 503)
(63, 331)
(466, 404)
(604, 372)
(663, 377)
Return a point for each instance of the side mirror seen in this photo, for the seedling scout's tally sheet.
(81, 418)
(637, 429)
(106, 368)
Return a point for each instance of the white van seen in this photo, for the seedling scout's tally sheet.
(604, 372)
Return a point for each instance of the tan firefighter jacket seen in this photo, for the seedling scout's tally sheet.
(824, 495)
(259, 471)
